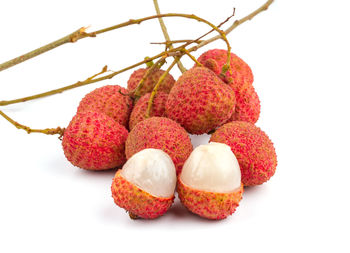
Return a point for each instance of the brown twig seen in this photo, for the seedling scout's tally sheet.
(166, 35)
(81, 34)
(194, 48)
(48, 131)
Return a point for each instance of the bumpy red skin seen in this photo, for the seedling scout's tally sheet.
(94, 141)
(136, 201)
(253, 149)
(110, 101)
(210, 205)
(138, 113)
(200, 101)
(160, 133)
(240, 79)
(150, 81)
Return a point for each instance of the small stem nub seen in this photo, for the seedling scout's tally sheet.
(48, 131)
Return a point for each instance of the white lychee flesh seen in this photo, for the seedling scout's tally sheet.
(153, 171)
(213, 168)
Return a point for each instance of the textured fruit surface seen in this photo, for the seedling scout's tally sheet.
(139, 111)
(247, 105)
(200, 101)
(253, 149)
(94, 141)
(209, 205)
(160, 133)
(240, 80)
(150, 81)
(241, 73)
(110, 101)
(136, 201)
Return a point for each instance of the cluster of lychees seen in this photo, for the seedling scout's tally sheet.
(111, 130)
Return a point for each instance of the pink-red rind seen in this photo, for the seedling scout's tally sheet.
(253, 149)
(210, 205)
(136, 201)
(109, 100)
(94, 141)
(200, 101)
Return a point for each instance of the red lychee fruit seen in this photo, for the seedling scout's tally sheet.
(210, 182)
(150, 81)
(138, 113)
(240, 80)
(145, 185)
(109, 100)
(94, 141)
(254, 150)
(160, 133)
(200, 101)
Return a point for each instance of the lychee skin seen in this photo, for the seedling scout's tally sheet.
(138, 113)
(136, 201)
(240, 80)
(150, 81)
(253, 149)
(160, 133)
(247, 105)
(94, 141)
(240, 74)
(200, 101)
(210, 205)
(109, 100)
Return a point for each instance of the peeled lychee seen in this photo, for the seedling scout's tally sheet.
(254, 150)
(200, 101)
(160, 133)
(94, 141)
(210, 182)
(240, 78)
(109, 100)
(139, 111)
(150, 81)
(146, 184)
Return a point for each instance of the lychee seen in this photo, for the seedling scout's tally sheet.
(200, 101)
(254, 150)
(160, 133)
(210, 182)
(240, 78)
(109, 100)
(145, 186)
(150, 81)
(139, 111)
(94, 141)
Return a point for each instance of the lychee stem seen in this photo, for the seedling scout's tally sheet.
(166, 35)
(176, 41)
(48, 131)
(81, 34)
(192, 57)
(133, 216)
(13, 62)
(155, 89)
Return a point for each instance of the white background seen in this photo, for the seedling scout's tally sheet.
(299, 54)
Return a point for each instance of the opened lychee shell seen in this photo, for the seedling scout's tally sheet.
(210, 205)
(136, 201)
